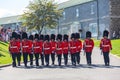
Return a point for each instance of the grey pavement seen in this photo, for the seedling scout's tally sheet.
(81, 72)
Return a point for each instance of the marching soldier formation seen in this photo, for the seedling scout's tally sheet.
(47, 47)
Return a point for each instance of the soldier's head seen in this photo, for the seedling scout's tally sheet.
(24, 36)
(42, 37)
(73, 36)
(47, 38)
(36, 37)
(59, 37)
(14, 35)
(65, 37)
(31, 37)
(52, 37)
(88, 34)
(105, 34)
(77, 36)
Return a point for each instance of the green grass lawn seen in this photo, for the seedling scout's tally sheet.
(4, 54)
(115, 46)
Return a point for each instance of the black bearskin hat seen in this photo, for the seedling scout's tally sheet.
(105, 33)
(36, 36)
(88, 34)
(53, 36)
(24, 35)
(65, 37)
(14, 35)
(47, 37)
(59, 36)
(72, 35)
(41, 37)
(31, 37)
(77, 35)
(19, 36)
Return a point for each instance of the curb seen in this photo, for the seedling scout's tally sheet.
(115, 55)
(1, 66)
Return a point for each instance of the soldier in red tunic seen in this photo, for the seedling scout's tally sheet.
(37, 49)
(19, 43)
(31, 48)
(42, 55)
(53, 45)
(78, 47)
(73, 49)
(25, 48)
(65, 49)
(105, 46)
(47, 49)
(88, 47)
(14, 49)
(59, 49)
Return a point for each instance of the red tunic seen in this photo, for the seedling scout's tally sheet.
(65, 47)
(47, 48)
(88, 45)
(59, 49)
(79, 45)
(53, 45)
(73, 48)
(14, 46)
(105, 45)
(37, 46)
(26, 46)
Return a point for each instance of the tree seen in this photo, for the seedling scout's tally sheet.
(40, 14)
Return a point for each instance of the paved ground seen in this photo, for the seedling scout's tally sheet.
(81, 72)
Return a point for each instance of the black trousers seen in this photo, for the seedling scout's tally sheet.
(73, 59)
(37, 59)
(78, 57)
(59, 59)
(25, 58)
(31, 58)
(106, 58)
(53, 57)
(19, 58)
(42, 59)
(15, 57)
(88, 58)
(47, 59)
(65, 58)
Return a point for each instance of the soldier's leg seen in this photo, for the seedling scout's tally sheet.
(25, 58)
(108, 60)
(60, 59)
(18, 58)
(37, 59)
(64, 59)
(53, 58)
(42, 58)
(78, 57)
(72, 58)
(105, 58)
(31, 59)
(13, 60)
(46, 59)
(87, 58)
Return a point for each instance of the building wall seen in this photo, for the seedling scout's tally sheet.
(115, 16)
(87, 19)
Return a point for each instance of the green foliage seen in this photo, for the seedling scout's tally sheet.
(41, 13)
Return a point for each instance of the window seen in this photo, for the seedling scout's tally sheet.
(92, 9)
(77, 12)
(63, 15)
